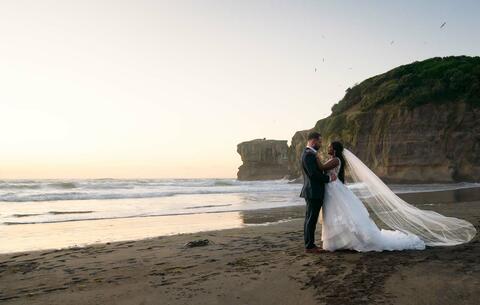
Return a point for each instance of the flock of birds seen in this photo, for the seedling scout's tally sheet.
(391, 43)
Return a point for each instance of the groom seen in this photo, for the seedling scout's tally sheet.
(313, 189)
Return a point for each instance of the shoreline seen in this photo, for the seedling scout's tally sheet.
(17, 238)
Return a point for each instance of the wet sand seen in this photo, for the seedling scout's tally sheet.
(259, 264)
(31, 237)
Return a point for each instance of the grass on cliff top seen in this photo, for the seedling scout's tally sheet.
(435, 80)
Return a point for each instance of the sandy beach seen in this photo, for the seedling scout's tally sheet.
(260, 264)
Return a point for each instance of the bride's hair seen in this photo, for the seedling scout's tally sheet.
(338, 152)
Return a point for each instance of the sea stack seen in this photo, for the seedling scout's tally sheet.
(263, 159)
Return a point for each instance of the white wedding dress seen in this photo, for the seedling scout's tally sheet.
(347, 224)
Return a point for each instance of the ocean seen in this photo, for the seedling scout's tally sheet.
(53, 201)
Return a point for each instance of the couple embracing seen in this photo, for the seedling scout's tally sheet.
(346, 222)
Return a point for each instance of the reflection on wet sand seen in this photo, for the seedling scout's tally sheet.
(28, 237)
(449, 196)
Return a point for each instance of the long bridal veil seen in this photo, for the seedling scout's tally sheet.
(433, 228)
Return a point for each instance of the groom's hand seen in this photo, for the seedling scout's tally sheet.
(333, 177)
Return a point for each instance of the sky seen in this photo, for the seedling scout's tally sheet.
(167, 89)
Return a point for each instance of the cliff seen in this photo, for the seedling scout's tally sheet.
(416, 123)
(263, 160)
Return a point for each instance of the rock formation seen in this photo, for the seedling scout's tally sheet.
(416, 123)
(263, 160)
(426, 144)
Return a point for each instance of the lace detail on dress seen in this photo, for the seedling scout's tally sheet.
(336, 169)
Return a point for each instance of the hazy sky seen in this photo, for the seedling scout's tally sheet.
(168, 88)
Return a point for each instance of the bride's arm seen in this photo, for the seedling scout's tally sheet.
(332, 163)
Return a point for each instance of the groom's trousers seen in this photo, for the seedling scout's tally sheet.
(311, 218)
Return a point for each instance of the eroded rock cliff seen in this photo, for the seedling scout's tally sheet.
(429, 143)
(416, 123)
(263, 160)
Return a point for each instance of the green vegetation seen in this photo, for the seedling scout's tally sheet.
(435, 80)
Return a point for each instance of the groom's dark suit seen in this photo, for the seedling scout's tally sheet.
(313, 190)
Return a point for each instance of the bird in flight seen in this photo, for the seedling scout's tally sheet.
(443, 24)
(391, 42)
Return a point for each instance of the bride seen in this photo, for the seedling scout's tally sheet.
(347, 223)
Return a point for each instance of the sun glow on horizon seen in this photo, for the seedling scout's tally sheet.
(167, 89)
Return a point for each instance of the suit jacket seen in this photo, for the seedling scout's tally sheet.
(314, 179)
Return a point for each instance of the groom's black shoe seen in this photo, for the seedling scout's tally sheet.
(314, 250)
